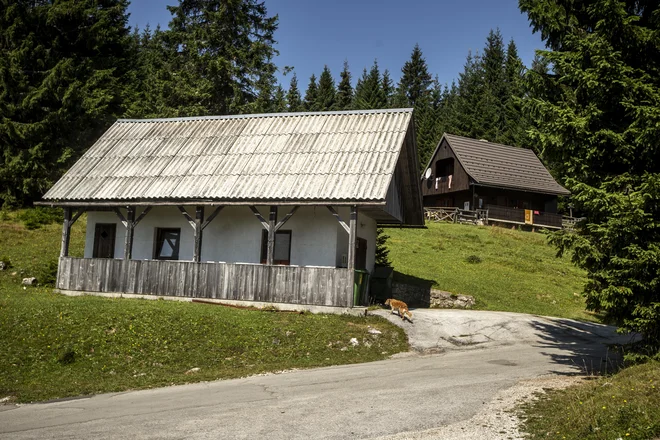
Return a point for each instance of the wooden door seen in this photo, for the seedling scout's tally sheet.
(104, 240)
(360, 253)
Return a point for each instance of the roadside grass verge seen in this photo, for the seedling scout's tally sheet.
(55, 346)
(625, 405)
(504, 269)
(34, 252)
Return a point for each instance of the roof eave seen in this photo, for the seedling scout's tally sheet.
(207, 202)
(531, 190)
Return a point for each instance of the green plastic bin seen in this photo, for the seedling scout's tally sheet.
(360, 287)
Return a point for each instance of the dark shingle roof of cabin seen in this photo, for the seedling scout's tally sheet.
(497, 165)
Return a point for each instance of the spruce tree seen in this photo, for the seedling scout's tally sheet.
(388, 89)
(428, 110)
(293, 99)
(448, 111)
(469, 102)
(494, 94)
(327, 92)
(516, 122)
(151, 77)
(224, 55)
(415, 79)
(63, 70)
(345, 89)
(265, 88)
(597, 117)
(311, 102)
(279, 100)
(369, 92)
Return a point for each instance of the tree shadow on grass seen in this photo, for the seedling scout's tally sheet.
(591, 348)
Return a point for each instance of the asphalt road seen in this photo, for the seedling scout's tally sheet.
(477, 355)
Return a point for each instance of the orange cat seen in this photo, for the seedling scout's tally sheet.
(400, 307)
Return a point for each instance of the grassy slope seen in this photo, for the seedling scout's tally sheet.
(57, 346)
(626, 406)
(518, 272)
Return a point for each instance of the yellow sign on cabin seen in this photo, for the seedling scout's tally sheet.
(529, 217)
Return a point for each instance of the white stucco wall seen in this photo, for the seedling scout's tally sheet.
(234, 236)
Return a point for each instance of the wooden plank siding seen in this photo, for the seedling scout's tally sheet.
(460, 179)
(245, 282)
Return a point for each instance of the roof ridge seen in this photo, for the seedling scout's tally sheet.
(487, 142)
(269, 115)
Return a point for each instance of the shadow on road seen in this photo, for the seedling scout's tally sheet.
(593, 348)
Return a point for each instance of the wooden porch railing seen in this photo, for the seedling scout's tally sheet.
(456, 215)
(517, 216)
(249, 282)
(497, 214)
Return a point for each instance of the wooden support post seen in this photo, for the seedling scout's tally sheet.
(130, 225)
(272, 222)
(199, 221)
(352, 237)
(66, 233)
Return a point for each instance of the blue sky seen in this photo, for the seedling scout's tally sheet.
(313, 33)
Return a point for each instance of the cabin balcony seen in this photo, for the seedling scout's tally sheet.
(438, 185)
(304, 285)
(531, 217)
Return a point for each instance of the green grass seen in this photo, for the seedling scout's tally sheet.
(506, 270)
(56, 346)
(625, 405)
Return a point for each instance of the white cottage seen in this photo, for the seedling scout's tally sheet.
(275, 207)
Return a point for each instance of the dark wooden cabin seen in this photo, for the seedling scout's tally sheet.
(476, 174)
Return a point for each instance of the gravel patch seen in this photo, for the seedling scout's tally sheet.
(497, 420)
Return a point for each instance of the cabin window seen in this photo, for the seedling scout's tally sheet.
(104, 240)
(282, 254)
(167, 243)
(444, 167)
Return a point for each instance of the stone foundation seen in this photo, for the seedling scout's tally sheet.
(422, 296)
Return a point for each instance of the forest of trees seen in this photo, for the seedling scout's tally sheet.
(589, 105)
(63, 84)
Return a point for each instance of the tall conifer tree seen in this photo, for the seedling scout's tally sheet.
(63, 69)
(415, 79)
(494, 93)
(345, 89)
(369, 92)
(293, 98)
(327, 92)
(597, 116)
(151, 78)
(279, 100)
(224, 55)
(516, 122)
(471, 88)
(388, 88)
(311, 101)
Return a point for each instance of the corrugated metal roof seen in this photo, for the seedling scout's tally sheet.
(325, 156)
(500, 165)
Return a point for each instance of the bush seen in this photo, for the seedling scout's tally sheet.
(47, 275)
(382, 253)
(5, 261)
(35, 218)
(473, 259)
